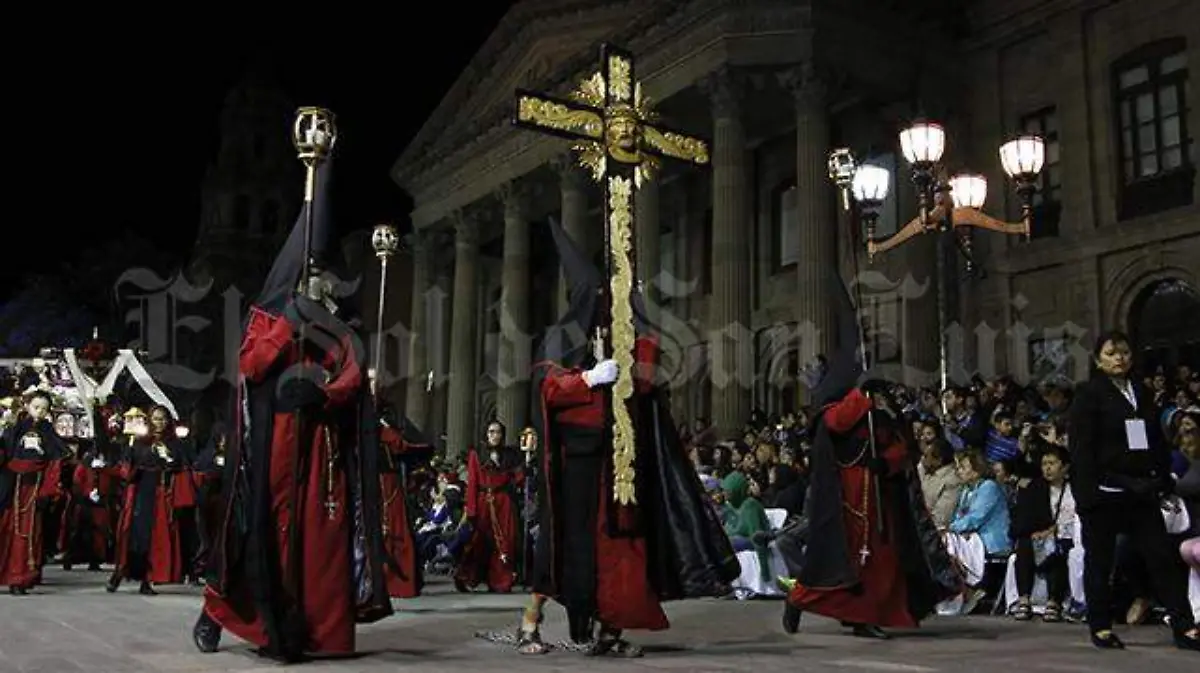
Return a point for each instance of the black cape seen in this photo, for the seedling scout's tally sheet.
(929, 571)
(243, 558)
(689, 555)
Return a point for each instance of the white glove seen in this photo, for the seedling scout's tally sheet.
(604, 373)
(220, 461)
(97, 463)
(94, 495)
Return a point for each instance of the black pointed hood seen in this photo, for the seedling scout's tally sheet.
(845, 364)
(567, 342)
(284, 276)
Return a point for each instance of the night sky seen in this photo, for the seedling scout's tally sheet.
(120, 133)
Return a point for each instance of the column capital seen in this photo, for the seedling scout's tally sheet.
(515, 197)
(466, 227)
(725, 88)
(570, 174)
(423, 245)
(808, 89)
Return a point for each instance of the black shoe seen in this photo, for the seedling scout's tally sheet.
(206, 634)
(791, 618)
(1107, 640)
(147, 589)
(113, 584)
(94, 567)
(280, 657)
(868, 631)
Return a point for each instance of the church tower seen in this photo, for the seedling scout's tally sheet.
(251, 191)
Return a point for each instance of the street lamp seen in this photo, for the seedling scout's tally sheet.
(944, 204)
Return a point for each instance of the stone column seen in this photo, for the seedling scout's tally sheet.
(647, 245)
(441, 308)
(512, 401)
(416, 398)
(460, 416)
(815, 213)
(731, 342)
(573, 183)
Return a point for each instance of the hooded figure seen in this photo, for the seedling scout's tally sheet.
(404, 447)
(298, 559)
(747, 520)
(603, 561)
(874, 556)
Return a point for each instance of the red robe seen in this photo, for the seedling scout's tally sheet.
(165, 559)
(403, 580)
(84, 517)
(326, 566)
(491, 507)
(881, 598)
(625, 598)
(21, 543)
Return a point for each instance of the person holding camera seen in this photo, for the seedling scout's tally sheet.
(1121, 471)
(1043, 528)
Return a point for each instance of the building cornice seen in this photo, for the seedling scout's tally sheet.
(518, 34)
(672, 53)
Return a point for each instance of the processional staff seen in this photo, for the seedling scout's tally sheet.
(385, 243)
(314, 133)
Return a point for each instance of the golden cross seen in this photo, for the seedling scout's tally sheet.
(620, 142)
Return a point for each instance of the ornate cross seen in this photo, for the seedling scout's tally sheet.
(620, 142)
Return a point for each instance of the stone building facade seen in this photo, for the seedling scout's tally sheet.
(775, 85)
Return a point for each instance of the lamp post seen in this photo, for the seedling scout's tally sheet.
(945, 204)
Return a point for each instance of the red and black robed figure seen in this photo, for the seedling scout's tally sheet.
(207, 473)
(91, 514)
(853, 569)
(158, 482)
(493, 553)
(299, 558)
(30, 460)
(600, 561)
(403, 449)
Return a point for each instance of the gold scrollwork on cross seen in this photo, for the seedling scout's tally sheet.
(620, 77)
(553, 115)
(624, 334)
(617, 136)
(676, 145)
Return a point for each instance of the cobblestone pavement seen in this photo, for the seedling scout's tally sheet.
(70, 624)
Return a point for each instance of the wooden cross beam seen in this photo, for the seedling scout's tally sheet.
(620, 142)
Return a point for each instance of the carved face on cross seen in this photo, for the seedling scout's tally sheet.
(622, 134)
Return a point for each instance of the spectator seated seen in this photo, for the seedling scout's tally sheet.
(752, 582)
(1008, 597)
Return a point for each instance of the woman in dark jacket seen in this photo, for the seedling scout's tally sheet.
(1121, 471)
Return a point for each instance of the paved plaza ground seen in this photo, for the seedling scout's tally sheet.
(71, 624)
